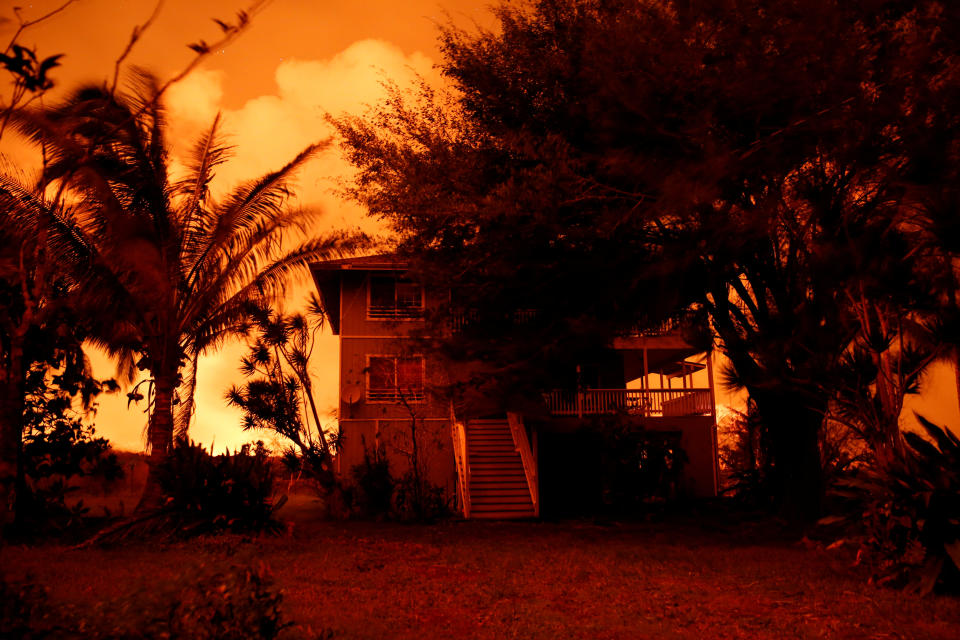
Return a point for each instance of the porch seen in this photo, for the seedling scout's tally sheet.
(659, 403)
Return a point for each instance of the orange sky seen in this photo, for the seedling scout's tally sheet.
(298, 60)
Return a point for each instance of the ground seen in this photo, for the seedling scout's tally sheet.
(671, 578)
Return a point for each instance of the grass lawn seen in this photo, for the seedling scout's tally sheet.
(523, 580)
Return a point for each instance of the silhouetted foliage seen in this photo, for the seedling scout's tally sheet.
(236, 603)
(638, 468)
(373, 483)
(610, 163)
(904, 512)
(206, 493)
(171, 269)
(58, 448)
(278, 399)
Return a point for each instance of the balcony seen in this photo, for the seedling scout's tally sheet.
(394, 312)
(658, 403)
(395, 396)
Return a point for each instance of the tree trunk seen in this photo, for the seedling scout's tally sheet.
(11, 435)
(160, 437)
(794, 430)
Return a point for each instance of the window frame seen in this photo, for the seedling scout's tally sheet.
(394, 396)
(394, 312)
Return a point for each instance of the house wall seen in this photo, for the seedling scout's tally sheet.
(363, 424)
(395, 437)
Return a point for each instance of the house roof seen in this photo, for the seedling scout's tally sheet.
(327, 276)
(380, 262)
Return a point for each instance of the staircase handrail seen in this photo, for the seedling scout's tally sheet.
(522, 444)
(459, 435)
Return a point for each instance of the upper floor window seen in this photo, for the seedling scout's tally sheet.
(394, 299)
(395, 378)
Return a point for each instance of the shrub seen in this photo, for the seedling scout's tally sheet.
(239, 603)
(231, 491)
(905, 513)
(416, 500)
(56, 451)
(637, 466)
(23, 610)
(744, 459)
(236, 604)
(374, 484)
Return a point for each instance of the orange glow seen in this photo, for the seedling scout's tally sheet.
(297, 61)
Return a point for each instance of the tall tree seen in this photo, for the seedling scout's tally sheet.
(172, 269)
(608, 162)
(39, 328)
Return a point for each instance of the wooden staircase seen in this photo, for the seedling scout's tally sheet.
(498, 483)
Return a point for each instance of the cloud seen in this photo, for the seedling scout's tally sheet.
(267, 131)
(270, 130)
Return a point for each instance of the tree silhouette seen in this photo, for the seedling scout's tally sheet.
(279, 392)
(610, 163)
(172, 269)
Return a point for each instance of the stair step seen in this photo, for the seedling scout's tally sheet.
(504, 500)
(478, 492)
(497, 483)
(486, 468)
(501, 508)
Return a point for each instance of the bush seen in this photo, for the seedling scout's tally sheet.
(744, 457)
(904, 514)
(236, 604)
(374, 484)
(56, 452)
(416, 500)
(23, 610)
(377, 493)
(232, 491)
(239, 603)
(637, 466)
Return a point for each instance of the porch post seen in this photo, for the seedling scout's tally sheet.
(579, 394)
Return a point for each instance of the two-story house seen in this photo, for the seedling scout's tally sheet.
(492, 463)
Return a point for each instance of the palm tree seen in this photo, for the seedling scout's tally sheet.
(172, 269)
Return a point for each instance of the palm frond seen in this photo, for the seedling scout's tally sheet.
(185, 410)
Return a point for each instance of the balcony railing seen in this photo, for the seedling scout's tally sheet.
(639, 402)
(395, 396)
(394, 312)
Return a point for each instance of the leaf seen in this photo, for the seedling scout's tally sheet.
(953, 550)
(927, 577)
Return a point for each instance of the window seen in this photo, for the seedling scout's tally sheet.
(395, 378)
(394, 299)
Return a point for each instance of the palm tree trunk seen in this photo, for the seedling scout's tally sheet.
(308, 390)
(160, 437)
(956, 373)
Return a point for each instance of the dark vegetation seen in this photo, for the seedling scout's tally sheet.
(238, 602)
(784, 172)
